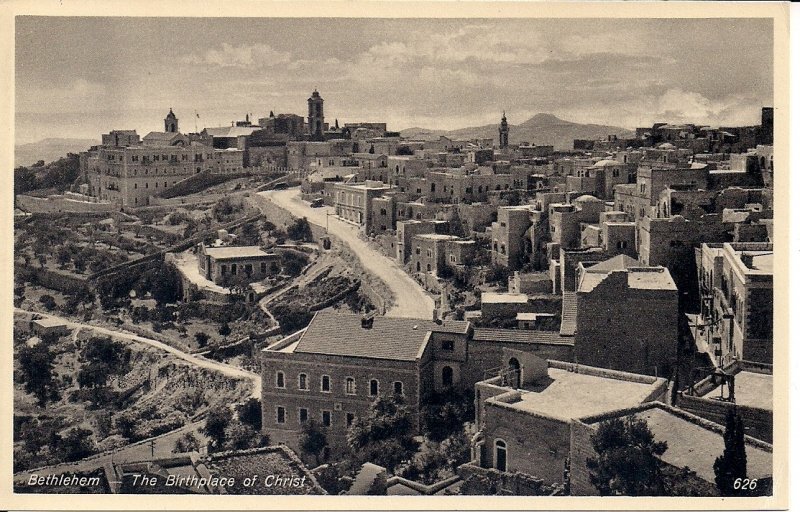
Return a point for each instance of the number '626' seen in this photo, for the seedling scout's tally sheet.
(745, 483)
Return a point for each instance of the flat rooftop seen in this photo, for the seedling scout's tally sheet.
(50, 322)
(751, 389)
(689, 444)
(224, 253)
(566, 395)
(504, 298)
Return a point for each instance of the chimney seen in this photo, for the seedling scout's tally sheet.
(367, 321)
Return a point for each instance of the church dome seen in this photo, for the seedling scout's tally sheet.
(586, 198)
(606, 163)
(666, 145)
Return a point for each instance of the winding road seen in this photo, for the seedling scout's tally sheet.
(410, 300)
(225, 369)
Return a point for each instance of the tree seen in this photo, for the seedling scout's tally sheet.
(188, 442)
(76, 445)
(627, 461)
(36, 364)
(102, 358)
(250, 413)
(125, 425)
(300, 230)
(732, 464)
(202, 339)
(385, 435)
(217, 421)
(249, 235)
(445, 413)
(166, 284)
(48, 302)
(239, 436)
(313, 439)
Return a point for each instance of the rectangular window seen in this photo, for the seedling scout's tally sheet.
(326, 418)
(280, 381)
(281, 414)
(350, 418)
(325, 384)
(302, 381)
(350, 386)
(448, 345)
(263, 267)
(303, 416)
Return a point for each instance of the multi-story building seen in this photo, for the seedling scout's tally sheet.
(433, 252)
(353, 201)
(737, 304)
(408, 229)
(627, 317)
(509, 243)
(335, 368)
(127, 172)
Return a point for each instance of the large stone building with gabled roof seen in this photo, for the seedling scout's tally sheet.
(332, 370)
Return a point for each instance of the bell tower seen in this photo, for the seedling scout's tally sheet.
(316, 117)
(171, 122)
(503, 131)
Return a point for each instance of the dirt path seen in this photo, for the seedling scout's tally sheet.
(225, 369)
(410, 300)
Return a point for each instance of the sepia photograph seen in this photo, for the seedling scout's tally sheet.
(428, 254)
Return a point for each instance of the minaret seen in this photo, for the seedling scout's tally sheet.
(316, 117)
(171, 122)
(503, 131)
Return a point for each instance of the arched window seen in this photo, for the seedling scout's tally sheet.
(447, 376)
(280, 381)
(398, 388)
(302, 381)
(350, 386)
(500, 455)
(325, 384)
(373, 387)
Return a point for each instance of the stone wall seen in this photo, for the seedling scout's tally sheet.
(757, 422)
(61, 204)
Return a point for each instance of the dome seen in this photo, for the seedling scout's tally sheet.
(606, 163)
(586, 198)
(666, 145)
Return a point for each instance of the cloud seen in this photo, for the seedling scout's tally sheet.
(76, 96)
(243, 56)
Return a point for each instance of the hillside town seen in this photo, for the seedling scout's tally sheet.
(354, 311)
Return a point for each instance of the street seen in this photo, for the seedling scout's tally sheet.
(410, 300)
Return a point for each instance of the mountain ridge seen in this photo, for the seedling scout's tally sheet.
(541, 129)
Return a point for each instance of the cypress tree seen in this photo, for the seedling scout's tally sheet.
(732, 464)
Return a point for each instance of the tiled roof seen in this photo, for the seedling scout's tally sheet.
(522, 336)
(341, 334)
(569, 312)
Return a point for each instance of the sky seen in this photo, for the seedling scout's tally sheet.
(80, 77)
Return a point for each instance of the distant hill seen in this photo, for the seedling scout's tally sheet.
(541, 129)
(49, 150)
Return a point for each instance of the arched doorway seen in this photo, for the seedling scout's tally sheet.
(514, 372)
(447, 376)
(500, 455)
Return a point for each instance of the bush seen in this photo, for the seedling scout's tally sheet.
(188, 442)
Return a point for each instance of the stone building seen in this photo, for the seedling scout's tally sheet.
(524, 412)
(218, 263)
(737, 300)
(627, 317)
(509, 244)
(332, 370)
(353, 201)
(408, 229)
(433, 252)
